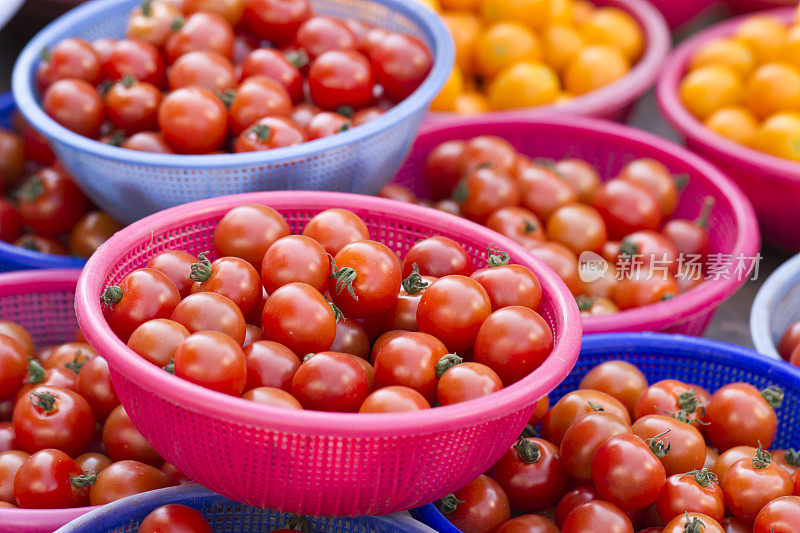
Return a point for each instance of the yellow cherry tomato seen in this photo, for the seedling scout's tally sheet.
(779, 135)
(465, 28)
(561, 44)
(446, 99)
(765, 35)
(433, 4)
(773, 87)
(534, 13)
(582, 11)
(460, 5)
(524, 84)
(503, 44)
(737, 123)
(709, 88)
(471, 103)
(791, 49)
(564, 98)
(615, 27)
(725, 51)
(561, 12)
(593, 67)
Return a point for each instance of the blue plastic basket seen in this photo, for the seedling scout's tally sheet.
(710, 364)
(776, 307)
(226, 515)
(16, 258)
(130, 185)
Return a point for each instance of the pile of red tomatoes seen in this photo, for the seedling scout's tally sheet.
(228, 75)
(331, 320)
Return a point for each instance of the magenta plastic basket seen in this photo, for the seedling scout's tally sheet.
(679, 12)
(615, 101)
(43, 301)
(314, 462)
(747, 6)
(733, 228)
(771, 183)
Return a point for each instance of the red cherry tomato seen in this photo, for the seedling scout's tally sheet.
(156, 340)
(691, 236)
(7, 440)
(174, 518)
(94, 384)
(151, 22)
(69, 58)
(325, 124)
(739, 414)
(340, 77)
(231, 277)
(213, 360)
(693, 522)
(330, 381)
(125, 478)
(210, 311)
(270, 364)
(401, 63)
(466, 381)
(230, 9)
(619, 379)
(14, 365)
(351, 338)
(572, 499)
(11, 223)
(366, 279)
(510, 285)
(135, 58)
(518, 224)
(53, 417)
(452, 309)
(532, 475)
(627, 473)
(584, 437)
(122, 440)
(480, 506)
(200, 31)
(577, 226)
(437, 256)
(513, 341)
(275, 20)
(697, 491)
(657, 179)
(147, 141)
(10, 461)
(269, 133)
(409, 359)
(484, 191)
(687, 448)
(542, 190)
(297, 316)
(779, 516)
(443, 168)
(177, 265)
(257, 97)
(203, 68)
(132, 106)
(50, 479)
(581, 176)
(74, 104)
(193, 120)
(272, 396)
(575, 404)
(336, 228)
(394, 399)
(50, 202)
(751, 483)
(247, 231)
(274, 65)
(627, 207)
(597, 516)
(562, 261)
(670, 396)
(295, 258)
(142, 295)
(529, 523)
(640, 288)
(320, 34)
(69, 356)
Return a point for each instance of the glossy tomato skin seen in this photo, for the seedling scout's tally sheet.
(739, 415)
(627, 207)
(518, 224)
(532, 475)
(94, 384)
(510, 285)
(670, 396)
(485, 506)
(269, 133)
(626, 473)
(750, 484)
(577, 226)
(7, 440)
(74, 104)
(687, 445)
(781, 515)
(146, 294)
(443, 168)
(133, 106)
(14, 360)
(45, 481)
(201, 31)
(330, 381)
(484, 191)
(270, 364)
(276, 20)
(274, 65)
(233, 278)
(466, 381)
(320, 34)
(193, 120)
(730, 456)
(213, 360)
(177, 265)
(69, 58)
(247, 231)
(401, 63)
(529, 523)
(341, 77)
(597, 516)
(640, 288)
(572, 406)
(90, 232)
(437, 256)
(680, 523)
(352, 338)
(67, 424)
(409, 359)
(135, 58)
(11, 223)
(93, 461)
(452, 309)
(619, 379)
(295, 258)
(148, 141)
(394, 399)
(202, 69)
(156, 340)
(125, 478)
(122, 440)
(561, 259)
(584, 436)
(572, 499)
(174, 518)
(581, 176)
(336, 228)
(377, 277)
(542, 191)
(210, 311)
(272, 396)
(153, 25)
(257, 97)
(297, 316)
(693, 492)
(10, 461)
(50, 202)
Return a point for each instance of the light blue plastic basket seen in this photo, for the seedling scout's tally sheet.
(776, 307)
(130, 185)
(125, 515)
(16, 258)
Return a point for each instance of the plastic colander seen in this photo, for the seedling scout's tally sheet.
(14, 257)
(43, 302)
(710, 364)
(771, 183)
(129, 185)
(124, 516)
(776, 307)
(732, 225)
(312, 462)
(614, 101)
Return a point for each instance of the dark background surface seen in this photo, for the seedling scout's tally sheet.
(731, 323)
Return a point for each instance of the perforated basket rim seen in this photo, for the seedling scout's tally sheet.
(17, 255)
(22, 84)
(686, 304)
(763, 308)
(678, 116)
(703, 351)
(567, 329)
(155, 498)
(615, 96)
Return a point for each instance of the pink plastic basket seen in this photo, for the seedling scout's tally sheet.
(43, 301)
(679, 12)
(772, 184)
(614, 101)
(313, 462)
(733, 228)
(747, 6)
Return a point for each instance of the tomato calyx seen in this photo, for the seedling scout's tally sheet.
(177, 23)
(446, 363)
(262, 132)
(708, 206)
(528, 451)
(76, 364)
(346, 110)
(529, 432)
(695, 525)
(703, 477)
(297, 523)
(201, 271)
(773, 395)
(528, 226)
(628, 248)
(112, 295)
(147, 8)
(414, 283)
(32, 189)
(29, 243)
(170, 367)
(104, 87)
(762, 458)
(227, 97)
(792, 457)
(337, 313)
(681, 180)
(658, 447)
(343, 127)
(116, 138)
(128, 81)
(497, 257)
(36, 373)
(44, 401)
(585, 303)
(45, 54)
(308, 356)
(689, 402)
(595, 407)
(84, 480)
(344, 279)
(449, 503)
(298, 58)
